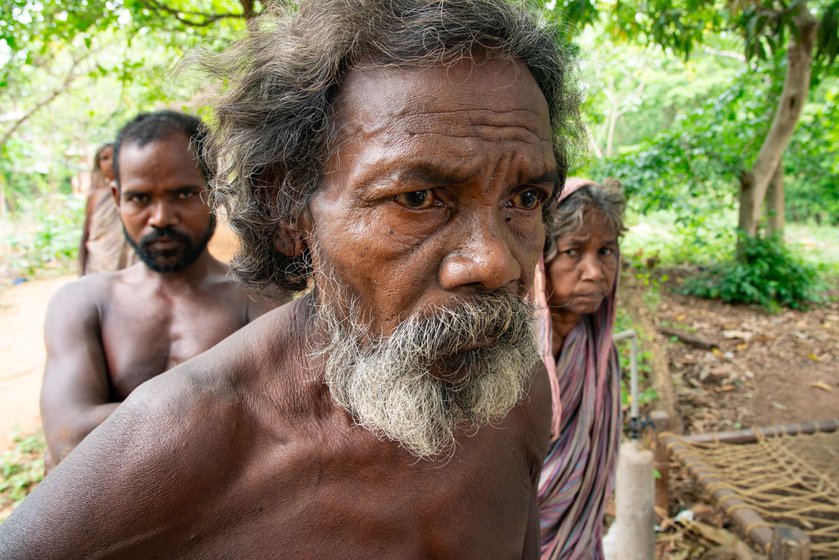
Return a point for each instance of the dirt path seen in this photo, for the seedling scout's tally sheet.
(22, 310)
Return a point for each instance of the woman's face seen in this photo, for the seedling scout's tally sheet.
(584, 270)
(106, 163)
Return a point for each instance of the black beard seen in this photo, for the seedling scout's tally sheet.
(185, 256)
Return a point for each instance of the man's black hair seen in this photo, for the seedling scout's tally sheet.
(159, 125)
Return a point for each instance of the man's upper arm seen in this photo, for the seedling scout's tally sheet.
(129, 488)
(76, 375)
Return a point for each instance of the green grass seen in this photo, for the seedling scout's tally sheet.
(21, 468)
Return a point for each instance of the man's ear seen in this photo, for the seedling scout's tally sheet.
(115, 192)
(291, 238)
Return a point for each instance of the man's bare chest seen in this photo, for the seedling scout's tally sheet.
(142, 341)
(356, 503)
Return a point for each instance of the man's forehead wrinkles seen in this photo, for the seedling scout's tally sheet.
(412, 111)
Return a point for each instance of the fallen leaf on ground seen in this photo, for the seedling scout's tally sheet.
(821, 385)
(728, 541)
(745, 335)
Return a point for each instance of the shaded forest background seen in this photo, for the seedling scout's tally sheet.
(720, 118)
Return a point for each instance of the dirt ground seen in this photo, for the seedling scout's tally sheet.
(768, 369)
(22, 354)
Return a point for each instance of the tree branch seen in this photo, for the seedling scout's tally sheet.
(204, 19)
(65, 85)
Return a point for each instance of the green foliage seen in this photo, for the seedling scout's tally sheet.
(646, 393)
(47, 236)
(811, 163)
(21, 468)
(72, 72)
(770, 275)
(693, 163)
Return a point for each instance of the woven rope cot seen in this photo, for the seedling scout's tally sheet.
(768, 480)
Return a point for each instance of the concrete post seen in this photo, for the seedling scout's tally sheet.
(635, 496)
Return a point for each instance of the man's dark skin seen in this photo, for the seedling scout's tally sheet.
(241, 452)
(106, 334)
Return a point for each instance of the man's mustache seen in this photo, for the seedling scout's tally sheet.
(469, 321)
(167, 233)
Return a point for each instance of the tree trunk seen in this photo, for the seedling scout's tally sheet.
(775, 218)
(247, 9)
(746, 208)
(754, 182)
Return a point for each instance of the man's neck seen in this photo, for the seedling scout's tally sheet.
(188, 278)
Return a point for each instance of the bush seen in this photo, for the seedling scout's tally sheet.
(46, 235)
(769, 275)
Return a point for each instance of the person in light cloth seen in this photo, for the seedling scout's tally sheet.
(103, 247)
(398, 160)
(579, 280)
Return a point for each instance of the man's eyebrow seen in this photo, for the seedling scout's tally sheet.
(548, 178)
(430, 174)
(186, 188)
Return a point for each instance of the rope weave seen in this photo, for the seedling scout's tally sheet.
(789, 479)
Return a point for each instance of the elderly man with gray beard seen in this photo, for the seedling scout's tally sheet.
(396, 159)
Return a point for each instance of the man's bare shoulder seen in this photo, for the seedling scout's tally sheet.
(261, 366)
(173, 446)
(84, 295)
(256, 302)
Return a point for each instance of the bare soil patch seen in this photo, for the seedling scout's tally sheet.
(22, 354)
(766, 369)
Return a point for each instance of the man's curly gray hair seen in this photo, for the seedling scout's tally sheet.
(275, 126)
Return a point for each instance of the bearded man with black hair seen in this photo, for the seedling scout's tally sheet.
(108, 333)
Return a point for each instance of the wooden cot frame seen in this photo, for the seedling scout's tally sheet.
(780, 542)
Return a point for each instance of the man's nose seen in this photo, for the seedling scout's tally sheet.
(162, 215)
(484, 261)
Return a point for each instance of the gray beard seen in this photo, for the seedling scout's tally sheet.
(385, 383)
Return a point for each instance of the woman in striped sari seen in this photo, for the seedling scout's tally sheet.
(579, 280)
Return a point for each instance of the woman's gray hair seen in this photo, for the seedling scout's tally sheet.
(275, 123)
(570, 212)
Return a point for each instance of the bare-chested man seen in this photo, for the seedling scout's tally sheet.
(398, 156)
(106, 334)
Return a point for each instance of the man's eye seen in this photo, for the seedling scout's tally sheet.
(186, 195)
(416, 200)
(528, 199)
(607, 251)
